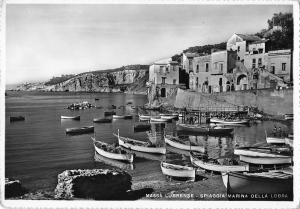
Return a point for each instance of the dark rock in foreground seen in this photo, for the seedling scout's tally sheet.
(13, 188)
(99, 184)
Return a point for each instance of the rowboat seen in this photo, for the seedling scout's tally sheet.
(203, 162)
(275, 140)
(178, 170)
(168, 116)
(81, 130)
(289, 141)
(289, 116)
(270, 184)
(145, 117)
(139, 145)
(258, 152)
(266, 160)
(158, 120)
(207, 129)
(16, 118)
(229, 122)
(108, 113)
(70, 117)
(118, 116)
(115, 163)
(102, 120)
(177, 143)
(141, 127)
(112, 152)
(145, 155)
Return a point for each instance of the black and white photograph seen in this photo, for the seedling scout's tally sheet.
(141, 104)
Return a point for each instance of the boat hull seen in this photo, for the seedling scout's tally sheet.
(116, 163)
(178, 171)
(70, 117)
(183, 146)
(204, 130)
(102, 120)
(83, 130)
(218, 168)
(254, 186)
(227, 122)
(275, 140)
(266, 160)
(256, 152)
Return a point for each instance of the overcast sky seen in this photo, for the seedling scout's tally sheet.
(50, 40)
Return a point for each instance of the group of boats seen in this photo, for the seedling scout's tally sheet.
(80, 106)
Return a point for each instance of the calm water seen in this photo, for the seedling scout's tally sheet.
(37, 149)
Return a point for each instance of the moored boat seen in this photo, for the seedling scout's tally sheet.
(141, 127)
(177, 143)
(80, 130)
(116, 163)
(102, 120)
(229, 122)
(112, 152)
(16, 118)
(70, 117)
(258, 152)
(266, 160)
(144, 117)
(158, 120)
(289, 116)
(168, 116)
(253, 185)
(178, 170)
(140, 146)
(118, 116)
(108, 113)
(205, 129)
(204, 162)
(289, 141)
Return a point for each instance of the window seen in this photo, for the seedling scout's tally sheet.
(163, 80)
(259, 62)
(167, 69)
(221, 67)
(161, 68)
(206, 67)
(239, 48)
(238, 58)
(174, 81)
(197, 69)
(283, 66)
(215, 65)
(260, 51)
(273, 69)
(197, 82)
(253, 63)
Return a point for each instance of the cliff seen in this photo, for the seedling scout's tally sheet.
(131, 78)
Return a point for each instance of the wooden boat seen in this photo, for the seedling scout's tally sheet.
(275, 140)
(144, 117)
(178, 170)
(108, 113)
(16, 118)
(289, 116)
(141, 127)
(158, 120)
(145, 155)
(256, 184)
(139, 145)
(118, 116)
(115, 163)
(102, 120)
(258, 152)
(70, 117)
(81, 130)
(203, 162)
(206, 129)
(112, 152)
(266, 160)
(168, 116)
(229, 122)
(289, 141)
(177, 143)
(128, 117)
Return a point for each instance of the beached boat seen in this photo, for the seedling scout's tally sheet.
(140, 146)
(70, 117)
(158, 120)
(178, 170)
(140, 127)
(102, 120)
(229, 122)
(16, 118)
(111, 151)
(270, 184)
(258, 152)
(145, 117)
(177, 143)
(116, 163)
(275, 140)
(108, 113)
(145, 155)
(204, 162)
(266, 160)
(289, 141)
(80, 130)
(206, 129)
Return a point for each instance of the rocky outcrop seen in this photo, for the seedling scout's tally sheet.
(99, 184)
(13, 188)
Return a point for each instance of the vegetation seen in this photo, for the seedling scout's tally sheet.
(56, 80)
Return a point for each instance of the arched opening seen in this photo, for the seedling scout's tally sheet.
(242, 82)
(205, 87)
(227, 86)
(163, 92)
(220, 84)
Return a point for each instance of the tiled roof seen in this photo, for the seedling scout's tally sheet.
(249, 37)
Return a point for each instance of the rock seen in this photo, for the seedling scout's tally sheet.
(13, 188)
(101, 184)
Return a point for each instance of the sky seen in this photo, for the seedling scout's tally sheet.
(43, 41)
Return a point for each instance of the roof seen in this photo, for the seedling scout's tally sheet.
(249, 37)
(165, 62)
(191, 54)
(261, 41)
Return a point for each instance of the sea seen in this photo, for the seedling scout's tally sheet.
(38, 149)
